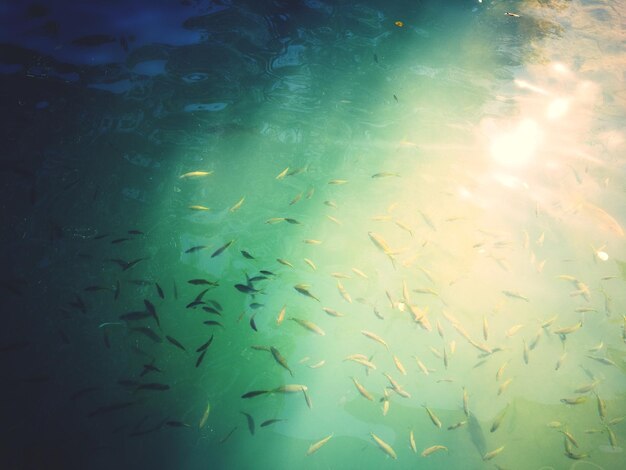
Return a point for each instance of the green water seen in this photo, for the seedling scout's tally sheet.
(485, 150)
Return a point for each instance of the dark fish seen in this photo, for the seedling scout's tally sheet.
(250, 422)
(195, 303)
(110, 408)
(246, 254)
(126, 265)
(175, 342)
(227, 436)
(216, 304)
(291, 221)
(144, 330)
(213, 323)
(221, 249)
(266, 272)
(101, 236)
(93, 40)
(193, 249)
(176, 424)
(395, 98)
(211, 310)
(270, 421)
(253, 323)
(205, 345)
(246, 289)
(254, 393)
(149, 368)
(198, 282)
(200, 358)
(82, 392)
(375, 58)
(135, 316)
(280, 359)
(135, 232)
(150, 308)
(200, 296)
(257, 278)
(153, 386)
(159, 290)
(120, 240)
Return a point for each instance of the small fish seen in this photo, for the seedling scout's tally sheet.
(337, 181)
(221, 249)
(310, 263)
(515, 295)
(574, 401)
(504, 386)
(284, 262)
(195, 174)
(384, 446)
(399, 365)
(360, 273)
(237, 205)
(194, 249)
(436, 421)
(304, 290)
(602, 360)
(514, 15)
(199, 282)
(316, 446)
(250, 420)
(568, 329)
(465, 402)
(159, 290)
(490, 455)
(175, 342)
(309, 326)
(247, 255)
(375, 337)
(317, 365)
(267, 422)
(281, 315)
(498, 420)
(385, 174)
(227, 436)
(253, 323)
(362, 390)
(282, 174)
(331, 312)
(254, 393)
(199, 208)
(246, 289)
(457, 425)
(432, 449)
(296, 199)
(280, 359)
(412, 442)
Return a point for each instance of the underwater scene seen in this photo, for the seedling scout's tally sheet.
(313, 234)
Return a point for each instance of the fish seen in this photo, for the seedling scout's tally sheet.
(281, 315)
(195, 174)
(126, 265)
(380, 243)
(574, 401)
(384, 446)
(246, 254)
(316, 446)
(343, 292)
(568, 329)
(246, 289)
(485, 328)
(332, 312)
(361, 359)
(267, 422)
(309, 326)
(318, 364)
(514, 329)
(569, 437)
(587, 387)
(335, 220)
(237, 205)
(375, 337)
(433, 417)
(559, 363)
(514, 15)
(525, 352)
(200, 358)
(456, 425)
(498, 420)
(602, 360)
(465, 402)
(254, 393)
(515, 295)
(194, 249)
(432, 449)
(199, 282)
(501, 370)
(310, 263)
(177, 424)
(412, 442)
(385, 174)
(175, 342)
(253, 323)
(282, 174)
(221, 249)
(399, 365)
(280, 359)
(304, 290)
(360, 273)
(227, 436)
(152, 310)
(362, 390)
(504, 386)
(284, 262)
(199, 208)
(250, 421)
(296, 199)
(337, 181)
(490, 455)
(148, 333)
(601, 407)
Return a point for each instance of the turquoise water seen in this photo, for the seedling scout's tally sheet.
(452, 184)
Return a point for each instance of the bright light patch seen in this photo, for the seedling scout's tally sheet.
(602, 255)
(517, 147)
(557, 108)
